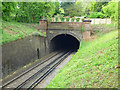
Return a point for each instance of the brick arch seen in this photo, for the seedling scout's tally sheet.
(69, 33)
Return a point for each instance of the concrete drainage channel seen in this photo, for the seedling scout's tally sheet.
(31, 78)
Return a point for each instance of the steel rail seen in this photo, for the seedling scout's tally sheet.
(41, 70)
(28, 70)
(37, 81)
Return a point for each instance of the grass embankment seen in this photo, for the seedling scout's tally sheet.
(93, 66)
(13, 30)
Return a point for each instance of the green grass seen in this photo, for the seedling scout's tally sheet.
(13, 30)
(93, 66)
(113, 24)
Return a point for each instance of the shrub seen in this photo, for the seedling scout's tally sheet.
(96, 15)
(77, 19)
(62, 19)
(82, 19)
(67, 19)
(72, 20)
(56, 19)
(93, 15)
(100, 15)
(49, 19)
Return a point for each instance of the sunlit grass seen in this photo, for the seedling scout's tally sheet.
(93, 66)
(13, 30)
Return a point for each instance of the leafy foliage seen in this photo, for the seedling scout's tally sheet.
(67, 19)
(82, 19)
(119, 16)
(72, 20)
(29, 12)
(77, 19)
(97, 6)
(49, 19)
(96, 15)
(61, 11)
(8, 10)
(104, 9)
(56, 19)
(62, 19)
(111, 10)
(71, 8)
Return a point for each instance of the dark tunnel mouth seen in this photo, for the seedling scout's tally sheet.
(64, 42)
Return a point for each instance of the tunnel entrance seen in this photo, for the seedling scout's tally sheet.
(64, 42)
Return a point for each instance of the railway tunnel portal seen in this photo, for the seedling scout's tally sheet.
(64, 42)
(62, 35)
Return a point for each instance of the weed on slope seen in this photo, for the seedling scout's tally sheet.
(14, 30)
(93, 66)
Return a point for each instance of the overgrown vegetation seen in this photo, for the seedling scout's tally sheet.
(77, 19)
(67, 19)
(96, 15)
(72, 8)
(94, 9)
(93, 66)
(56, 19)
(28, 12)
(72, 19)
(111, 10)
(62, 19)
(13, 31)
(31, 12)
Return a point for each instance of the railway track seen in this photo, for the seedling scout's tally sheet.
(32, 77)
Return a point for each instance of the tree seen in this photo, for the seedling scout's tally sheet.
(111, 10)
(57, 7)
(29, 12)
(8, 10)
(72, 8)
(97, 6)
